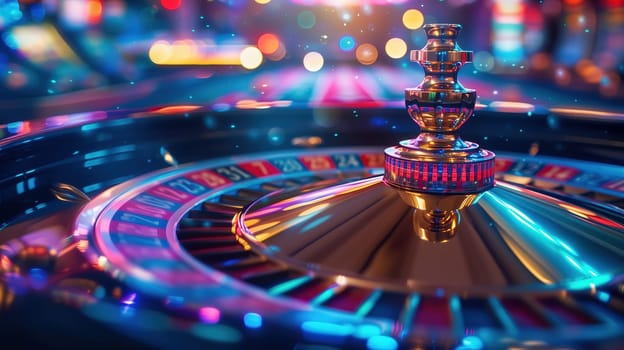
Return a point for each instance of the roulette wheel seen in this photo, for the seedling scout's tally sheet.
(209, 227)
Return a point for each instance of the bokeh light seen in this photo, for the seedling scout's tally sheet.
(396, 48)
(366, 54)
(268, 43)
(279, 54)
(366, 331)
(508, 32)
(252, 320)
(209, 314)
(251, 57)
(413, 19)
(540, 61)
(471, 342)
(573, 2)
(381, 342)
(562, 76)
(306, 19)
(171, 4)
(94, 11)
(346, 43)
(160, 52)
(10, 12)
(16, 79)
(609, 84)
(263, 2)
(346, 3)
(313, 61)
(483, 61)
(588, 71)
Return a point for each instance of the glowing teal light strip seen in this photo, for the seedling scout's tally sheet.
(406, 317)
(288, 285)
(325, 295)
(502, 315)
(457, 317)
(368, 304)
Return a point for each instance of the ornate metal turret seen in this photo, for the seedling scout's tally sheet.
(437, 172)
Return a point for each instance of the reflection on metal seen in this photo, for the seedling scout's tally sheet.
(512, 240)
(436, 216)
(68, 193)
(435, 226)
(432, 202)
(438, 172)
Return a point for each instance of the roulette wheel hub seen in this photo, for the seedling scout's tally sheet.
(481, 239)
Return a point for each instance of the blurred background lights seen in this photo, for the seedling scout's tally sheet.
(366, 331)
(381, 342)
(78, 13)
(345, 3)
(252, 320)
(573, 2)
(129, 299)
(279, 54)
(160, 52)
(562, 76)
(268, 43)
(171, 4)
(609, 84)
(306, 19)
(58, 46)
(413, 19)
(483, 61)
(588, 71)
(346, 43)
(366, 54)
(470, 342)
(508, 31)
(9, 12)
(251, 57)
(540, 61)
(313, 61)
(209, 314)
(396, 48)
(94, 11)
(194, 52)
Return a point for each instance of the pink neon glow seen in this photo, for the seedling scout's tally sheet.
(209, 314)
(339, 3)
